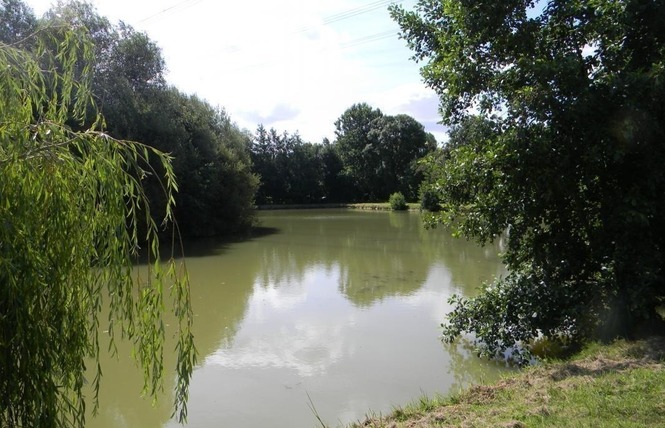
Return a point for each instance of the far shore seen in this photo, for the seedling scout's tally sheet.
(374, 206)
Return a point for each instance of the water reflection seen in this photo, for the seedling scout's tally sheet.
(219, 297)
(340, 306)
(379, 254)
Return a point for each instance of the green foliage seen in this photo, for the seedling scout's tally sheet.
(379, 152)
(293, 171)
(374, 155)
(429, 201)
(397, 202)
(18, 22)
(210, 154)
(565, 156)
(70, 207)
(211, 160)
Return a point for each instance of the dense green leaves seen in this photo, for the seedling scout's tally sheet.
(397, 202)
(70, 208)
(374, 156)
(17, 22)
(379, 152)
(292, 171)
(210, 154)
(565, 156)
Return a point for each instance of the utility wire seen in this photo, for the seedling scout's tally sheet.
(357, 11)
(171, 8)
(330, 19)
(340, 16)
(350, 44)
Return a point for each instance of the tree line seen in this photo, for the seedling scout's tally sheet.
(210, 152)
(222, 170)
(373, 156)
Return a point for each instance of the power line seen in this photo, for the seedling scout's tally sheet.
(369, 39)
(350, 44)
(357, 11)
(183, 3)
(327, 20)
(340, 16)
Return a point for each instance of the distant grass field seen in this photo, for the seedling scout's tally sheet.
(376, 206)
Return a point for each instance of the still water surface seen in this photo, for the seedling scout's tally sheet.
(338, 307)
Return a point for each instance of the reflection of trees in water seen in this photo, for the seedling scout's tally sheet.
(467, 369)
(378, 254)
(219, 297)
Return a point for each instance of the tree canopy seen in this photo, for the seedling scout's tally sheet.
(71, 203)
(211, 154)
(565, 158)
(379, 152)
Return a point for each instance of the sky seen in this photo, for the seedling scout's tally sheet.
(292, 65)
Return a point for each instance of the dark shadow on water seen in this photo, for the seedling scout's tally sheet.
(205, 246)
(261, 231)
(215, 246)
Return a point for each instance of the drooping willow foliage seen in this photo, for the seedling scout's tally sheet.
(73, 215)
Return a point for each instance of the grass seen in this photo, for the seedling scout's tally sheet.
(381, 206)
(376, 206)
(617, 385)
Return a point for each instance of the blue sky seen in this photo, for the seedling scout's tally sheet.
(294, 65)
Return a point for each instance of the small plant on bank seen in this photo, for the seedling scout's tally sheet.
(429, 201)
(397, 202)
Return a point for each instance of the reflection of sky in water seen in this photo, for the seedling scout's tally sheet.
(301, 338)
(309, 336)
(340, 306)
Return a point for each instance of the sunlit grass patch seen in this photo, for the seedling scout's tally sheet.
(618, 385)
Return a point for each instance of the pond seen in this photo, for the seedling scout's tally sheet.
(333, 310)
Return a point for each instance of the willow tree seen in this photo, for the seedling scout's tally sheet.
(71, 204)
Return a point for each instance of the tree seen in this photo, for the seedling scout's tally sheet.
(292, 171)
(400, 142)
(379, 151)
(210, 157)
(570, 168)
(17, 20)
(70, 206)
(210, 154)
(357, 147)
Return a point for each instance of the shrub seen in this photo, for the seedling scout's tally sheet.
(429, 201)
(397, 202)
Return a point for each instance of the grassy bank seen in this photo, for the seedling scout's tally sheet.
(618, 385)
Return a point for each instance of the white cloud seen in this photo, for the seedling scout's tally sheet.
(254, 57)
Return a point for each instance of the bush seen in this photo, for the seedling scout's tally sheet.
(397, 202)
(429, 201)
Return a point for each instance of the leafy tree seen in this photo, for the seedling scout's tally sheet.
(379, 152)
(335, 184)
(70, 206)
(400, 142)
(17, 22)
(356, 147)
(292, 171)
(571, 99)
(211, 158)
